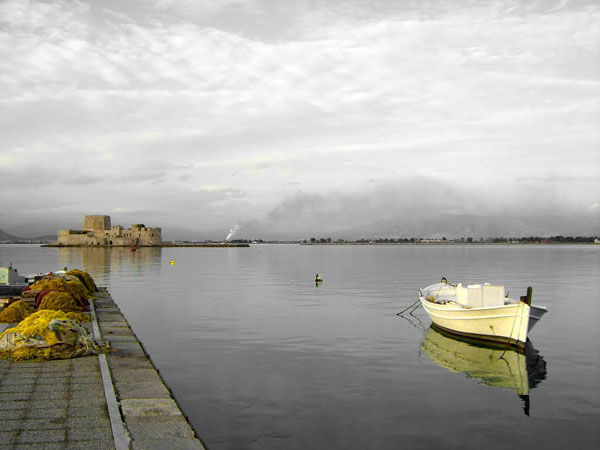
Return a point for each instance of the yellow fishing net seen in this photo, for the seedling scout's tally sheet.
(75, 288)
(79, 291)
(78, 317)
(15, 312)
(48, 334)
(60, 301)
(85, 278)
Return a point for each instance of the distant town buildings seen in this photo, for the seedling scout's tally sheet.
(98, 231)
(462, 240)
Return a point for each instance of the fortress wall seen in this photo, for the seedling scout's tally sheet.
(65, 237)
(151, 236)
(118, 241)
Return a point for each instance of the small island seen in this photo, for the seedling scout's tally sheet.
(97, 231)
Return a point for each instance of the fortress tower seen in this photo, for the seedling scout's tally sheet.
(91, 223)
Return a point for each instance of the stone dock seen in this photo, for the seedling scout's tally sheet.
(113, 401)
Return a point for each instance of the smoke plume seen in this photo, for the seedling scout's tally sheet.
(232, 232)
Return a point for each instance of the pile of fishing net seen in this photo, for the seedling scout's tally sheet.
(59, 301)
(15, 312)
(74, 287)
(85, 279)
(49, 334)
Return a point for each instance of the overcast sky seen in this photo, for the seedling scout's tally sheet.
(301, 116)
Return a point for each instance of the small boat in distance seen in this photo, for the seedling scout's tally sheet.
(11, 283)
(481, 311)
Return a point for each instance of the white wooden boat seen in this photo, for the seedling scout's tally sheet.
(9, 275)
(11, 283)
(481, 311)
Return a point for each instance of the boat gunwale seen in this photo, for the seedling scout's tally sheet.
(474, 318)
(462, 308)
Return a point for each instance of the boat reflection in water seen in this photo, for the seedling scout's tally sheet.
(495, 366)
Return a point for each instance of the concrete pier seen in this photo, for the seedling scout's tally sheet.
(117, 400)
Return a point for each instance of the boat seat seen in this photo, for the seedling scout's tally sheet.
(493, 295)
(477, 295)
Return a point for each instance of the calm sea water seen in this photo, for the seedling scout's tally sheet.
(261, 358)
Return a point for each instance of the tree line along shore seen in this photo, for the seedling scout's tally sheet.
(467, 240)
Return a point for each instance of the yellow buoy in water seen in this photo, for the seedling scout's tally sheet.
(171, 262)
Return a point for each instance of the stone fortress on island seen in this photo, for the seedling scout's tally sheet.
(97, 231)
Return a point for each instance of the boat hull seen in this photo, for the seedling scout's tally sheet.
(11, 289)
(506, 324)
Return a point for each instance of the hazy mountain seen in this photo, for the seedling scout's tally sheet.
(456, 226)
(434, 226)
(46, 226)
(4, 236)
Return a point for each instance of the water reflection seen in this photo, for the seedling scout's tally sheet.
(497, 367)
(99, 262)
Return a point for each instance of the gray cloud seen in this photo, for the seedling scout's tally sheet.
(223, 110)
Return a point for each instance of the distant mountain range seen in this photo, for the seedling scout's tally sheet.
(434, 226)
(6, 237)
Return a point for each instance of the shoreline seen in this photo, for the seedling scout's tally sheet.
(511, 244)
(110, 400)
(166, 245)
(245, 245)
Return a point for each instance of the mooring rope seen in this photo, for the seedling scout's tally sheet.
(406, 309)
